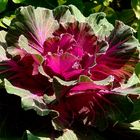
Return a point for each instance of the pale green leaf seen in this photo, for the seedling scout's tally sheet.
(2, 37)
(67, 135)
(101, 27)
(23, 43)
(106, 81)
(28, 100)
(135, 125)
(133, 80)
(77, 14)
(3, 46)
(15, 90)
(63, 14)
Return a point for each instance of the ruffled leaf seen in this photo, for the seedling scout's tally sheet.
(100, 25)
(28, 100)
(83, 34)
(63, 14)
(64, 66)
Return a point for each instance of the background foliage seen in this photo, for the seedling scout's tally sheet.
(128, 12)
(14, 121)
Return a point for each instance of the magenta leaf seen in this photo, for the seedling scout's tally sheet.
(23, 73)
(59, 45)
(121, 56)
(65, 66)
(62, 62)
(82, 33)
(92, 105)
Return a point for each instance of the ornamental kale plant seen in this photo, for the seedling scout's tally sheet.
(69, 67)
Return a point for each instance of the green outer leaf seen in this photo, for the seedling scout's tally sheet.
(100, 25)
(2, 37)
(68, 14)
(3, 46)
(116, 111)
(29, 100)
(122, 103)
(132, 81)
(3, 4)
(67, 135)
(136, 7)
(77, 14)
(35, 24)
(15, 90)
(63, 14)
(135, 125)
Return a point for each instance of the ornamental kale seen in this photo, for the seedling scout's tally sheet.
(66, 63)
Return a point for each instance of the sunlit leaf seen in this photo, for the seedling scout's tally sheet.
(18, 1)
(136, 7)
(135, 125)
(67, 135)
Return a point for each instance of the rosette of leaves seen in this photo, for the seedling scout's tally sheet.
(69, 67)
